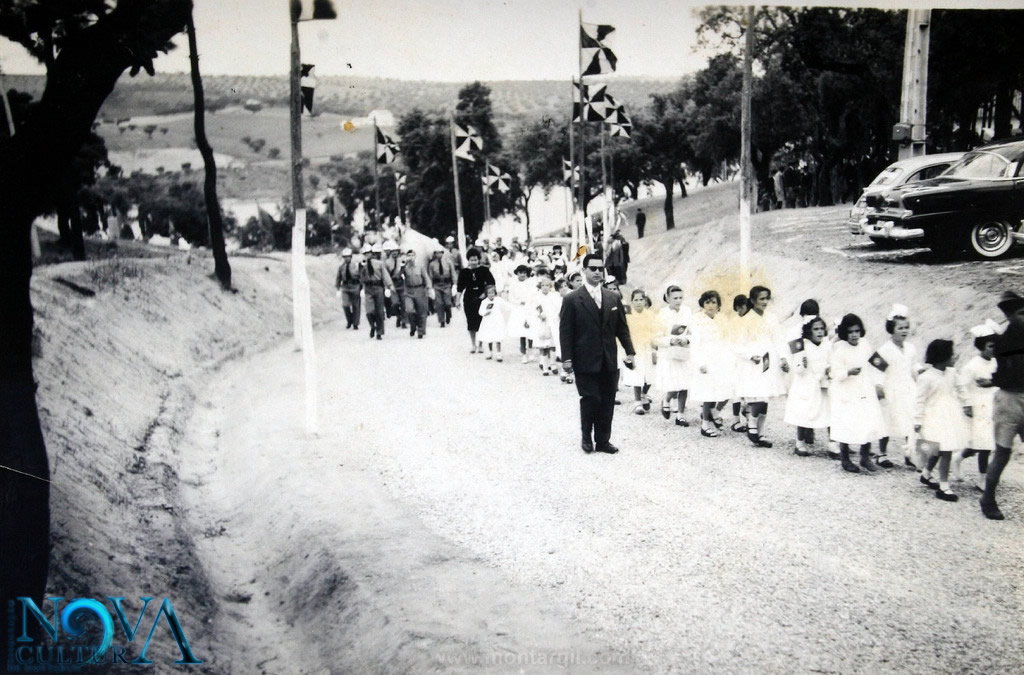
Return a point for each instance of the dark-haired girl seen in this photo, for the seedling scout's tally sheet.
(761, 364)
(712, 374)
(899, 386)
(940, 416)
(671, 375)
(974, 379)
(856, 416)
(807, 406)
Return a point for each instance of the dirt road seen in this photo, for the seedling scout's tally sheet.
(445, 520)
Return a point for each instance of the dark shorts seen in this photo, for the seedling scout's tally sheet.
(1008, 417)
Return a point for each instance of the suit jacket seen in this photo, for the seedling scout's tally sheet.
(587, 334)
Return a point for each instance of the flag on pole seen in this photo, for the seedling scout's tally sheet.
(594, 103)
(307, 83)
(466, 140)
(570, 173)
(309, 10)
(495, 179)
(597, 57)
(619, 123)
(386, 148)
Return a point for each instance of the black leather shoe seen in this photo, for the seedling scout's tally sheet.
(929, 483)
(608, 448)
(587, 445)
(991, 511)
(946, 496)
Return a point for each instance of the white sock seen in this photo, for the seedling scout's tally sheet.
(944, 486)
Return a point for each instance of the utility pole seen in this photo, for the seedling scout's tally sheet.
(746, 168)
(911, 130)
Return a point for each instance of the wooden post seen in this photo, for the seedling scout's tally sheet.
(573, 229)
(746, 168)
(460, 223)
(914, 98)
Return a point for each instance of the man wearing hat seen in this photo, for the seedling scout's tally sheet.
(378, 287)
(348, 285)
(1008, 406)
(418, 288)
(442, 276)
(451, 252)
(393, 264)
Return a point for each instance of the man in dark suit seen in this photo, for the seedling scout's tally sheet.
(592, 318)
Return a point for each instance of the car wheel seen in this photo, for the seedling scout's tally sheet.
(991, 239)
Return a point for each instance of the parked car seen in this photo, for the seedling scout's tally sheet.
(895, 175)
(976, 204)
(545, 245)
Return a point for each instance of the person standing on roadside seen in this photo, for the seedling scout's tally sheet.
(641, 222)
(418, 291)
(1008, 406)
(348, 285)
(615, 259)
(442, 276)
(378, 287)
(592, 318)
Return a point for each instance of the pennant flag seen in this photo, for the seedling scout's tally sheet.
(386, 148)
(594, 102)
(307, 83)
(308, 10)
(594, 44)
(619, 123)
(570, 173)
(796, 346)
(498, 179)
(878, 362)
(400, 180)
(466, 140)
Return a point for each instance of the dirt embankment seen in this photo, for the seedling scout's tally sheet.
(117, 377)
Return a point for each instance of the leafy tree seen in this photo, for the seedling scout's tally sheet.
(86, 46)
(662, 136)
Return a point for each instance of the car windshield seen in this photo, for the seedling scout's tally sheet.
(981, 165)
(887, 177)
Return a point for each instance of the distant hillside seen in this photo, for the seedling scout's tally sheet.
(167, 93)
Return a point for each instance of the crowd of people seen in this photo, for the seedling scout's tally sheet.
(867, 396)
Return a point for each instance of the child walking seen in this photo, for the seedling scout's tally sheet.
(549, 304)
(493, 310)
(898, 374)
(975, 384)
(521, 292)
(671, 373)
(644, 326)
(855, 414)
(761, 365)
(939, 416)
(740, 306)
(807, 406)
(712, 374)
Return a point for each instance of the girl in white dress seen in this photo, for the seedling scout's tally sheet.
(548, 306)
(898, 379)
(974, 381)
(855, 414)
(493, 311)
(807, 406)
(940, 416)
(740, 307)
(521, 292)
(761, 364)
(562, 289)
(672, 372)
(644, 328)
(711, 374)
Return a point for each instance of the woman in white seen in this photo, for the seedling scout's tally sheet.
(760, 364)
(521, 297)
(898, 379)
(671, 375)
(974, 381)
(807, 406)
(712, 374)
(856, 416)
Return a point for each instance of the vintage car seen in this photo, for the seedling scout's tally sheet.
(977, 204)
(896, 174)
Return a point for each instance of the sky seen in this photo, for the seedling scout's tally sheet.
(447, 40)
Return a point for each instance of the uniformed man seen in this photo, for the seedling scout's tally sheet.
(418, 291)
(393, 264)
(453, 255)
(348, 285)
(378, 287)
(443, 277)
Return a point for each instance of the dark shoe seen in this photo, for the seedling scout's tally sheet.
(739, 427)
(833, 455)
(607, 448)
(587, 445)
(713, 433)
(946, 496)
(969, 453)
(680, 422)
(419, 335)
(884, 462)
(907, 462)
(800, 453)
(759, 441)
(991, 511)
(666, 411)
(867, 464)
(379, 337)
(848, 465)
(719, 422)
(929, 483)
(372, 332)
(412, 330)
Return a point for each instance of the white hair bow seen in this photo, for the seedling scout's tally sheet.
(898, 310)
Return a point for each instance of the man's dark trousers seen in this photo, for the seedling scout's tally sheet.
(597, 404)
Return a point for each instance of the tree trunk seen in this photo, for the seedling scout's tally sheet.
(670, 216)
(220, 257)
(77, 83)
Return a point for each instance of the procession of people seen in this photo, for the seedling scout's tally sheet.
(863, 395)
